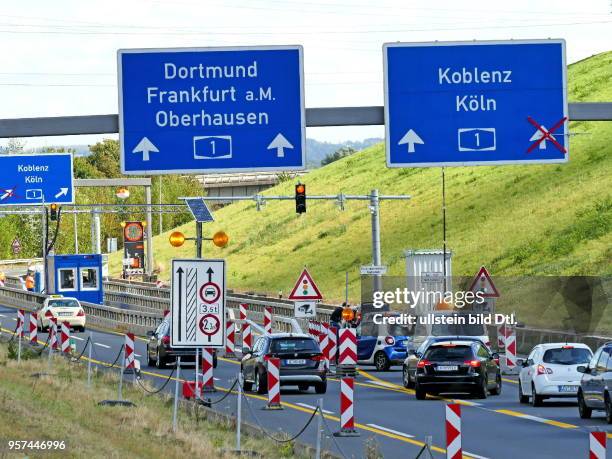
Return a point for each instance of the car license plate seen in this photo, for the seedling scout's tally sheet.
(64, 314)
(568, 388)
(447, 368)
(296, 362)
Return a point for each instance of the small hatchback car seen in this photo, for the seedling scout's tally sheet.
(595, 392)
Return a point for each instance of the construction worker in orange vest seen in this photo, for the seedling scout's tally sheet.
(29, 282)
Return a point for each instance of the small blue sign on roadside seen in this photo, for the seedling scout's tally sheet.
(36, 179)
(199, 110)
(476, 103)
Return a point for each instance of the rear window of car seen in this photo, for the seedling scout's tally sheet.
(458, 330)
(567, 356)
(63, 304)
(288, 345)
(443, 353)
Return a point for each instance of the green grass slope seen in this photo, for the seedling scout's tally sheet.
(549, 219)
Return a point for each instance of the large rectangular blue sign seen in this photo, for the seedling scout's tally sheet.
(475, 103)
(204, 110)
(36, 179)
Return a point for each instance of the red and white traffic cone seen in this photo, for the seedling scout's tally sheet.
(230, 340)
(33, 328)
(65, 338)
(348, 347)
(268, 320)
(347, 418)
(53, 341)
(332, 348)
(20, 323)
(129, 352)
(208, 380)
(597, 445)
(274, 400)
(453, 431)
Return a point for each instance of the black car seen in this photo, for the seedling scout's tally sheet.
(414, 355)
(458, 366)
(160, 353)
(302, 363)
(595, 392)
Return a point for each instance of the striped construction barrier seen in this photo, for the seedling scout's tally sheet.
(347, 418)
(166, 314)
(65, 338)
(597, 445)
(53, 341)
(230, 339)
(33, 328)
(268, 320)
(20, 323)
(274, 400)
(510, 359)
(501, 336)
(324, 341)
(348, 347)
(129, 351)
(332, 347)
(247, 337)
(311, 328)
(453, 431)
(208, 380)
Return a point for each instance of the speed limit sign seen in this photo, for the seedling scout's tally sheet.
(198, 303)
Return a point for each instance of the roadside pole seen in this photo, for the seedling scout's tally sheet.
(89, 360)
(198, 240)
(319, 429)
(239, 412)
(197, 371)
(76, 233)
(149, 231)
(120, 397)
(176, 394)
(376, 258)
(19, 349)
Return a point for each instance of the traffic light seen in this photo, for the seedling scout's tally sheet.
(53, 212)
(300, 198)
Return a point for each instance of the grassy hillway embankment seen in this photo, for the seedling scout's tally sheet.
(62, 407)
(516, 220)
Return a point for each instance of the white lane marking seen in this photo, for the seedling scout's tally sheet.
(102, 345)
(77, 338)
(386, 429)
(475, 456)
(2, 315)
(14, 318)
(383, 384)
(138, 355)
(310, 407)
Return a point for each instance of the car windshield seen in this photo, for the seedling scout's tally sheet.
(398, 330)
(64, 303)
(445, 353)
(458, 329)
(292, 345)
(567, 356)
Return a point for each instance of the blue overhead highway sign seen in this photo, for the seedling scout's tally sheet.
(198, 110)
(36, 179)
(475, 103)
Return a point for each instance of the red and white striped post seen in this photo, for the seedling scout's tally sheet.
(453, 431)
(53, 341)
(274, 400)
(510, 350)
(347, 418)
(166, 314)
(230, 340)
(268, 320)
(501, 336)
(129, 352)
(311, 328)
(324, 341)
(332, 348)
(597, 445)
(247, 337)
(65, 338)
(208, 380)
(20, 323)
(33, 328)
(348, 347)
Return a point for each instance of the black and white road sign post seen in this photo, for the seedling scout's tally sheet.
(198, 303)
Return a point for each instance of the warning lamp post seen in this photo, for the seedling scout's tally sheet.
(300, 198)
(220, 239)
(53, 212)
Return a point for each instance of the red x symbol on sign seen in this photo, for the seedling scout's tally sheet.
(547, 135)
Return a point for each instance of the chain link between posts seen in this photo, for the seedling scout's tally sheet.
(158, 390)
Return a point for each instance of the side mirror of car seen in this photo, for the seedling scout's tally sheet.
(151, 333)
(582, 369)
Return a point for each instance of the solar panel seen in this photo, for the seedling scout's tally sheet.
(199, 210)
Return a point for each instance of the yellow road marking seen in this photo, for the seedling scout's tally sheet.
(518, 414)
(511, 381)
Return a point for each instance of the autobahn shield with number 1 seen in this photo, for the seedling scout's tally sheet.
(198, 303)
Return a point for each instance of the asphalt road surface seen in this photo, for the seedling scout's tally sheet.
(387, 415)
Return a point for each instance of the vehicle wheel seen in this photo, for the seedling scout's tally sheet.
(584, 411)
(82, 329)
(246, 385)
(260, 386)
(321, 388)
(159, 361)
(381, 361)
(522, 398)
(482, 390)
(608, 404)
(303, 387)
(215, 360)
(536, 400)
(419, 393)
(150, 361)
(498, 386)
(406, 379)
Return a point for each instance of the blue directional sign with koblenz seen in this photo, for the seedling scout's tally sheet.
(475, 103)
(36, 179)
(198, 110)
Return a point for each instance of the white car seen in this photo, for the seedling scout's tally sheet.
(551, 371)
(64, 309)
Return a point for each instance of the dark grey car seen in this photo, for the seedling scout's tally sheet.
(301, 362)
(595, 392)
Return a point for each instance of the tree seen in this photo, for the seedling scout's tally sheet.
(14, 146)
(338, 154)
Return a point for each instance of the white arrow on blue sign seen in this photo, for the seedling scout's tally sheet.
(475, 103)
(199, 110)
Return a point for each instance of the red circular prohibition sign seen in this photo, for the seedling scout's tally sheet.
(207, 329)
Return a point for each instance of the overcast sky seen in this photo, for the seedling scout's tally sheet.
(59, 57)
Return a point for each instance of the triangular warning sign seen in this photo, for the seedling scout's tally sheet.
(305, 288)
(483, 283)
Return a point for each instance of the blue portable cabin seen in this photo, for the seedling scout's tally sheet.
(79, 276)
